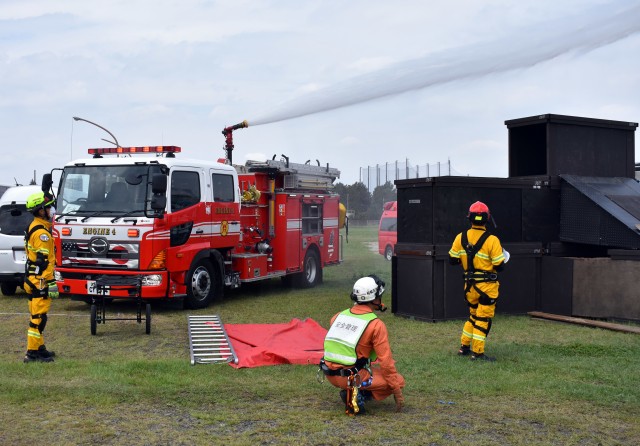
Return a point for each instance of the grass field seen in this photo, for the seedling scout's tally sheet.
(553, 384)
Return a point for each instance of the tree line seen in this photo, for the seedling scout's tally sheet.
(362, 204)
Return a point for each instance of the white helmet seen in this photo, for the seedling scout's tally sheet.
(367, 289)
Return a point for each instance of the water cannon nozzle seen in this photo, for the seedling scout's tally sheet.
(231, 128)
(228, 134)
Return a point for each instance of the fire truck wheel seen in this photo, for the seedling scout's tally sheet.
(200, 286)
(312, 273)
(388, 253)
(8, 288)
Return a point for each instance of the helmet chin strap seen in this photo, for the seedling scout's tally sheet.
(381, 307)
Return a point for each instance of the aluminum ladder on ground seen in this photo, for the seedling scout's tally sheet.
(208, 341)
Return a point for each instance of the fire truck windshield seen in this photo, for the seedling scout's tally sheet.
(108, 190)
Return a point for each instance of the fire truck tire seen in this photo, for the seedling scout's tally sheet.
(200, 285)
(388, 253)
(94, 313)
(8, 288)
(311, 274)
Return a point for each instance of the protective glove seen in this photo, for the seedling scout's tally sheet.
(507, 256)
(399, 399)
(53, 292)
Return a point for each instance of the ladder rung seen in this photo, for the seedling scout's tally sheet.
(208, 340)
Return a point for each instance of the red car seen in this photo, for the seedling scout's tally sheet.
(388, 230)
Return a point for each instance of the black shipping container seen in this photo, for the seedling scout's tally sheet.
(571, 195)
(433, 210)
(556, 144)
(427, 287)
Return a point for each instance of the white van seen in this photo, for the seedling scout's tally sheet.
(14, 220)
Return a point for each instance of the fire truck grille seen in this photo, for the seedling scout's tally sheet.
(113, 255)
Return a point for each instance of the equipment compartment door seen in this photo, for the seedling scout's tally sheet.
(294, 233)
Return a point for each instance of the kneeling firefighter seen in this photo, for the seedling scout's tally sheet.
(39, 280)
(356, 338)
(482, 257)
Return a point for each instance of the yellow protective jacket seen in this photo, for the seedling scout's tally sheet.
(40, 256)
(486, 259)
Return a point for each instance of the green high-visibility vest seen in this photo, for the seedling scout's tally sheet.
(343, 336)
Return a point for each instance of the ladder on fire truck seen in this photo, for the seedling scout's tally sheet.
(297, 176)
(208, 341)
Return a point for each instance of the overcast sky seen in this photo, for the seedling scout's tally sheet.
(428, 81)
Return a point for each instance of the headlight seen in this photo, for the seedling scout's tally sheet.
(57, 276)
(152, 280)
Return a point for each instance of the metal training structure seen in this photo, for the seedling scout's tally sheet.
(569, 214)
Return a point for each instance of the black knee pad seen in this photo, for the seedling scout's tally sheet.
(43, 322)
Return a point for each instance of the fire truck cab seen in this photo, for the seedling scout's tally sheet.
(140, 222)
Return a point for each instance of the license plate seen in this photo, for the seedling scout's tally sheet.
(92, 288)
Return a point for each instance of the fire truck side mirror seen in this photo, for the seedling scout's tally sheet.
(159, 189)
(47, 182)
(158, 202)
(159, 184)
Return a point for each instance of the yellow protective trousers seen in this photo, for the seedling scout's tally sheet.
(477, 327)
(38, 308)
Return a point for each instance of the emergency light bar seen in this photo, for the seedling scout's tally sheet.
(147, 149)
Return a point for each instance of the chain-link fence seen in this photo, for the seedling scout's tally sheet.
(378, 175)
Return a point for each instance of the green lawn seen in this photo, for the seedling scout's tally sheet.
(553, 383)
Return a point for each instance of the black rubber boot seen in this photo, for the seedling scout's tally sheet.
(34, 356)
(465, 350)
(363, 396)
(44, 353)
(482, 357)
(367, 395)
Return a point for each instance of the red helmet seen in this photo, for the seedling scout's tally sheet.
(478, 213)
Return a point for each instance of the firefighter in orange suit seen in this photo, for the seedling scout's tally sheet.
(39, 274)
(355, 339)
(482, 257)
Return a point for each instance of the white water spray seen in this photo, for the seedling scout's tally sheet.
(529, 47)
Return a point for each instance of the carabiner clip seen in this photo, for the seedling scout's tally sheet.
(320, 375)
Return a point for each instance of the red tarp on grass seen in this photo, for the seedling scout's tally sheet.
(297, 342)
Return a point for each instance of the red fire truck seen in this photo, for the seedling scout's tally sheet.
(144, 223)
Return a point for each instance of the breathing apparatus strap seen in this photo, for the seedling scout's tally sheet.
(30, 232)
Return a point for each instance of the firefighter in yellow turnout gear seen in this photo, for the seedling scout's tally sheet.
(482, 257)
(39, 274)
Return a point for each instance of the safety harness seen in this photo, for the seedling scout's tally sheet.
(473, 276)
(354, 401)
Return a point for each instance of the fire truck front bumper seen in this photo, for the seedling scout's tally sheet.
(114, 285)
